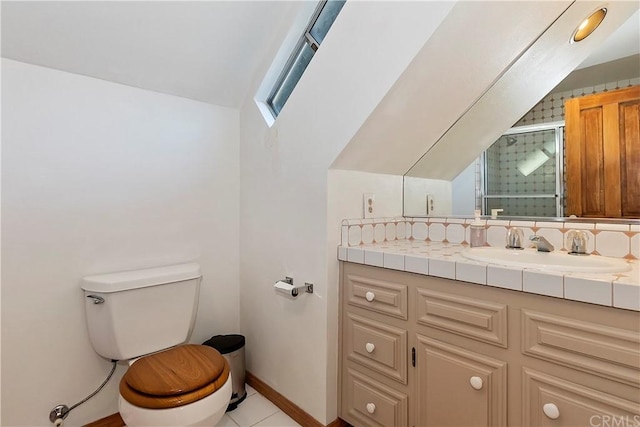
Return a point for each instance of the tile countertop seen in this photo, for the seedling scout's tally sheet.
(621, 290)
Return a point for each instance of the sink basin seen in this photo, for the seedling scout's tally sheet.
(549, 261)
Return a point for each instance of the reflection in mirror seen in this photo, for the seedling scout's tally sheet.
(521, 173)
(427, 197)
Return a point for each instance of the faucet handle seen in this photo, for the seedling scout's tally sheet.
(577, 242)
(515, 236)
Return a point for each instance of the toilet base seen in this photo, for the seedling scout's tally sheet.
(205, 412)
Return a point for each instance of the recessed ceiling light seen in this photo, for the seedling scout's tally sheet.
(589, 25)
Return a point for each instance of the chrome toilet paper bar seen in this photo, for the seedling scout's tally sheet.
(286, 286)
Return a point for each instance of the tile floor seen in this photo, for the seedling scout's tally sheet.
(256, 411)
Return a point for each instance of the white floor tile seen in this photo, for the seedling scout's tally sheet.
(279, 419)
(226, 422)
(255, 408)
(250, 390)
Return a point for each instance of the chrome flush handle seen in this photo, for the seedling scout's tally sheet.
(96, 299)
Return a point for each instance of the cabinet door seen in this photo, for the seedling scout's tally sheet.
(630, 157)
(603, 154)
(550, 401)
(457, 387)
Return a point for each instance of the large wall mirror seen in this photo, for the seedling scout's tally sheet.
(524, 171)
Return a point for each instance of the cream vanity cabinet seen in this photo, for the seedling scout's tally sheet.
(423, 351)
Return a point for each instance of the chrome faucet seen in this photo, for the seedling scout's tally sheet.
(542, 244)
(577, 242)
(514, 238)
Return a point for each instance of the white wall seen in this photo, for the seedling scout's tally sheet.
(463, 189)
(344, 200)
(100, 177)
(416, 192)
(289, 221)
(345, 191)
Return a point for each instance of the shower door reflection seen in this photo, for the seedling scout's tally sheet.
(523, 172)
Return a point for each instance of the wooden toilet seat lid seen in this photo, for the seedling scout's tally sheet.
(174, 377)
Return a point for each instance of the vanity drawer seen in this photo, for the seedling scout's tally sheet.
(377, 346)
(370, 403)
(470, 317)
(377, 295)
(609, 352)
(551, 401)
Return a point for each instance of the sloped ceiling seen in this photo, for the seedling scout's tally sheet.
(528, 80)
(210, 51)
(207, 51)
(617, 58)
(624, 42)
(486, 66)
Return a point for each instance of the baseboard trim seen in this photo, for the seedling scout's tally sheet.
(339, 422)
(288, 407)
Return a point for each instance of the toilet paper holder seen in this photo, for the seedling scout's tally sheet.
(295, 290)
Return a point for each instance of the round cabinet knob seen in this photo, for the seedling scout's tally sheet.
(551, 410)
(371, 408)
(370, 347)
(476, 383)
(370, 296)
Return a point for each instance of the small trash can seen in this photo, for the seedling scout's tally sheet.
(232, 348)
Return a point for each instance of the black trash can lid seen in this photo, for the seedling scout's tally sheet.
(226, 343)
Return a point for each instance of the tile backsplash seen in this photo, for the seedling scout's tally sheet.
(614, 240)
(551, 108)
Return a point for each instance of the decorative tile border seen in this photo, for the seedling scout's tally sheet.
(613, 240)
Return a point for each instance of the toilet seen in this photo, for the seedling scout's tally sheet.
(145, 317)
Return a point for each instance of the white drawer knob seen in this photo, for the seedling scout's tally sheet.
(551, 410)
(371, 408)
(476, 383)
(370, 296)
(370, 347)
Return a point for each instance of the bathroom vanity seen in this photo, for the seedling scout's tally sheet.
(425, 351)
(420, 350)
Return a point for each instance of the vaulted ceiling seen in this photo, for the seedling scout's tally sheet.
(203, 50)
(211, 51)
(487, 76)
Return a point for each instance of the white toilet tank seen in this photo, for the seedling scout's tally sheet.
(133, 313)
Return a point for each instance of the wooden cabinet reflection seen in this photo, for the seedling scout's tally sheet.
(603, 154)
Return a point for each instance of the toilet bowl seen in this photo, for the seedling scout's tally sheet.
(188, 385)
(145, 317)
